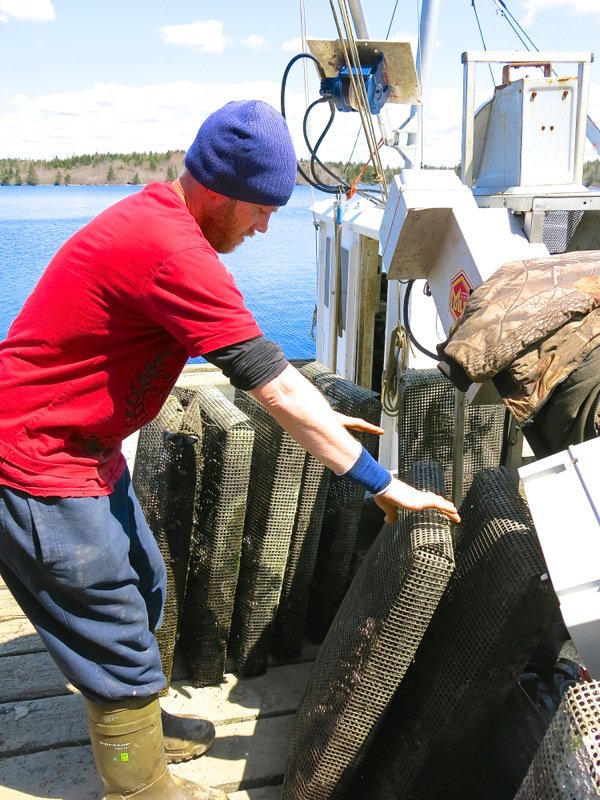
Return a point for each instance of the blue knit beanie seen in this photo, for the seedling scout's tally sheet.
(244, 150)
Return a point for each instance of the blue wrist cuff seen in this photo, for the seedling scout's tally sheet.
(369, 473)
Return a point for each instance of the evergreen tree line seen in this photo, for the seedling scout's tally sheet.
(26, 172)
(350, 172)
(14, 171)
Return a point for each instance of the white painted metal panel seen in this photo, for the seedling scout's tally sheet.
(531, 135)
(440, 236)
(563, 493)
(338, 349)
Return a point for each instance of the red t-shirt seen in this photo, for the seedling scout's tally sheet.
(102, 339)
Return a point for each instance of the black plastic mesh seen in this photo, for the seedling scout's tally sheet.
(217, 533)
(369, 647)
(293, 602)
(426, 427)
(344, 503)
(559, 227)
(498, 604)
(567, 764)
(275, 477)
(166, 474)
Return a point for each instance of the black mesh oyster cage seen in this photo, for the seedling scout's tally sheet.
(218, 525)
(369, 647)
(343, 504)
(498, 605)
(166, 476)
(426, 427)
(275, 479)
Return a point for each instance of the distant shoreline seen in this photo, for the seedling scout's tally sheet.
(138, 168)
(93, 170)
(71, 185)
(142, 168)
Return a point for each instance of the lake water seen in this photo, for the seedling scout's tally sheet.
(276, 271)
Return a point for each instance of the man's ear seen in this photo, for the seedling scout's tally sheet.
(217, 198)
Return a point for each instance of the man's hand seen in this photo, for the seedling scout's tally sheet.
(400, 494)
(358, 424)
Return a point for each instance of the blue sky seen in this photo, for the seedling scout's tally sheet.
(84, 76)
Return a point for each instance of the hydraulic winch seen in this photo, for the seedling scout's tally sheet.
(341, 90)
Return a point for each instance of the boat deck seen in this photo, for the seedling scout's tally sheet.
(44, 741)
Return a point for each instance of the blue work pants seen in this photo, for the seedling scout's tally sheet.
(89, 575)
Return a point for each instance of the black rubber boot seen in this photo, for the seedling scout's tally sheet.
(127, 742)
(185, 736)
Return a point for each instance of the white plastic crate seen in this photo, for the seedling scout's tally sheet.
(563, 492)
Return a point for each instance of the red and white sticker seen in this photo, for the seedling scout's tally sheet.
(460, 291)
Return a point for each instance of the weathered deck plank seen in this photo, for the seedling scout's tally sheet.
(245, 755)
(29, 676)
(277, 692)
(44, 741)
(34, 725)
(17, 634)
(30, 725)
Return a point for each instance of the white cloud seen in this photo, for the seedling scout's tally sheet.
(27, 10)
(254, 42)
(207, 35)
(292, 46)
(110, 117)
(581, 7)
(442, 128)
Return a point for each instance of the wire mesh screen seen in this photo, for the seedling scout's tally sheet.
(166, 475)
(426, 427)
(293, 602)
(567, 764)
(559, 227)
(343, 505)
(218, 527)
(497, 606)
(369, 647)
(275, 478)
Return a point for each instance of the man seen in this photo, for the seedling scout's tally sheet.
(91, 358)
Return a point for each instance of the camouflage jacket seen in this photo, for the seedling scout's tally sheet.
(529, 326)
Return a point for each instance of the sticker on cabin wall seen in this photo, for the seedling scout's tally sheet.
(460, 291)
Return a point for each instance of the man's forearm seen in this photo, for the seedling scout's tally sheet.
(305, 414)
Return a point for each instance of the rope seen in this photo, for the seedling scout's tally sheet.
(396, 365)
(352, 190)
(350, 53)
